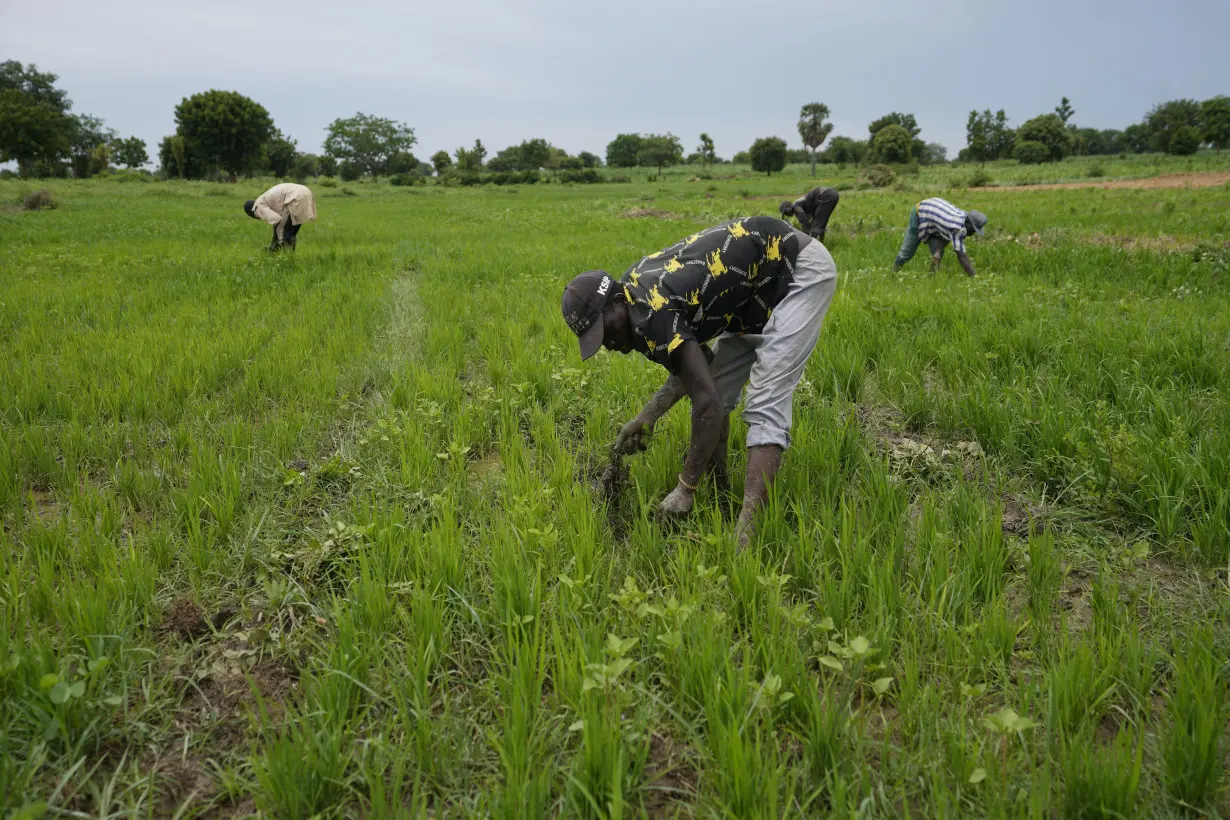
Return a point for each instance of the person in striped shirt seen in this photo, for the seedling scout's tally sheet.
(938, 222)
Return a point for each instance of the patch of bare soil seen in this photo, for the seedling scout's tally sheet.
(1021, 515)
(1198, 179)
(182, 780)
(1075, 599)
(1157, 244)
(916, 453)
(640, 213)
(185, 619)
(672, 777)
(484, 467)
(46, 506)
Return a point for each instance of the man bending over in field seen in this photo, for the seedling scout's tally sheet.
(756, 286)
(286, 207)
(938, 222)
(813, 210)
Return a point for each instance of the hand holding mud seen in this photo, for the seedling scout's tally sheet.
(633, 437)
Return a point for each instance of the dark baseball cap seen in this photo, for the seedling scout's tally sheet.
(584, 300)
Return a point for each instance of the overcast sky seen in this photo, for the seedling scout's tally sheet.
(578, 72)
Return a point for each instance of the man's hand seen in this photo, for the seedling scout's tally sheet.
(633, 437)
(678, 503)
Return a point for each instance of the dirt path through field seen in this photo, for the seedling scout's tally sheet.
(1202, 179)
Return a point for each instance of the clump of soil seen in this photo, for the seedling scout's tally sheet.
(185, 619)
(1020, 516)
(639, 213)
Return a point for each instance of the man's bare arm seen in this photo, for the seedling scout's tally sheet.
(708, 411)
(966, 262)
(632, 437)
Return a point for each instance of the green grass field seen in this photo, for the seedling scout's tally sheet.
(313, 534)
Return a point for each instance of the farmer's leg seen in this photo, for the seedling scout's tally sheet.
(781, 357)
(826, 203)
(291, 234)
(910, 243)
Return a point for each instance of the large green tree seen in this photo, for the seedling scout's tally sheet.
(1165, 120)
(224, 129)
(988, 136)
(623, 151)
(90, 145)
(130, 152)
(845, 150)
(441, 162)
(1049, 130)
(177, 162)
(906, 121)
(280, 154)
(768, 154)
(1215, 121)
(35, 126)
(534, 154)
(530, 155)
(814, 128)
(1136, 138)
(367, 141)
(660, 150)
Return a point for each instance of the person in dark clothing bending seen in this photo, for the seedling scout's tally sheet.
(813, 210)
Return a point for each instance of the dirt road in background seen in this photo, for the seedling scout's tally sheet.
(1202, 179)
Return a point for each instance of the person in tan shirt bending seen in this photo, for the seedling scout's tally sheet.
(286, 207)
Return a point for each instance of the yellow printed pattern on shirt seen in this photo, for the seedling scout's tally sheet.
(773, 251)
(656, 300)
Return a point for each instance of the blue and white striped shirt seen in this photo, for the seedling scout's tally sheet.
(940, 218)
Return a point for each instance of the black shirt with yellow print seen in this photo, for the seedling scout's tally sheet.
(724, 279)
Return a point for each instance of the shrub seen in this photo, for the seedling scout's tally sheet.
(892, 144)
(350, 171)
(620, 178)
(5, 173)
(402, 179)
(1049, 130)
(879, 176)
(588, 176)
(131, 176)
(1186, 140)
(327, 182)
(981, 178)
(348, 191)
(1031, 152)
(1096, 171)
(40, 200)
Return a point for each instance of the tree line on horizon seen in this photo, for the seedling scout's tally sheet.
(225, 134)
